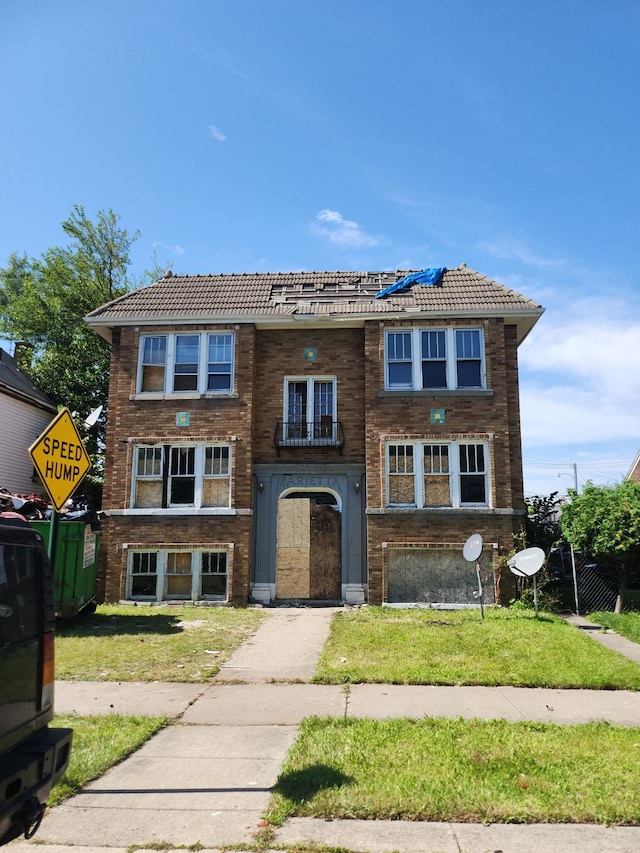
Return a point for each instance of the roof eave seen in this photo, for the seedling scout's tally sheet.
(525, 319)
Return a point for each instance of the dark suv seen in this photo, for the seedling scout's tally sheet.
(33, 756)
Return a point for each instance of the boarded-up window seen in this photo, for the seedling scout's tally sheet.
(154, 357)
(437, 484)
(401, 481)
(179, 577)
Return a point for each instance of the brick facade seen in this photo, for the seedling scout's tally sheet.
(352, 353)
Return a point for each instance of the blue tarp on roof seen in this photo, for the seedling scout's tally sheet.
(430, 277)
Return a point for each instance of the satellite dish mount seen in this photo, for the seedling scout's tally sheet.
(527, 564)
(471, 552)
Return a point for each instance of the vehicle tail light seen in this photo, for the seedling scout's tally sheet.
(46, 696)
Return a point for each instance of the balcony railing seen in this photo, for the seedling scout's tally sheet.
(323, 433)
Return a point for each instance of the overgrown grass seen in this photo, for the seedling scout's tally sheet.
(99, 742)
(416, 646)
(460, 770)
(129, 643)
(626, 624)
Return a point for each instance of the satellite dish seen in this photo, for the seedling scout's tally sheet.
(526, 563)
(93, 416)
(472, 548)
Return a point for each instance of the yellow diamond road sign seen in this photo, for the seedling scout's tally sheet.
(60, 458)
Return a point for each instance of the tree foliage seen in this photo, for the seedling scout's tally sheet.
(42, 305)
(541, 525)
(604, 521)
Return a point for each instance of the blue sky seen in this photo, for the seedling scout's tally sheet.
(269, 135)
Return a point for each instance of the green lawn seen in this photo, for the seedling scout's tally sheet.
(417, 646)
(98, 743)
(626, 624)
(129, 643)
(461, 770)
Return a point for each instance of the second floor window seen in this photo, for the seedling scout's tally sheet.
(425, 359)
(424, 474)
(189, 475)
(310, 407)
(177, 363)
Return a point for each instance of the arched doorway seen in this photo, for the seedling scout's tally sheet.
(309, 545)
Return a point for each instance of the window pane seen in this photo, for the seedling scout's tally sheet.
(179, 579)
(399, 356)
(216, 461)
(400, 375)
(468, 343)
(182, 482)
(144, 574)
(434, 345)
(219, 362)
(469, 358)
(186, 367)
(154, 354)
(472, 488)
(434, 374)
(469, 374)
(154, 350)
(399, 346)
(213, 579)
(472, 474)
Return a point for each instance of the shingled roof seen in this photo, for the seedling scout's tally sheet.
(15, 384)
(316, 297)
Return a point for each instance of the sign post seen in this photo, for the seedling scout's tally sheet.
(62, 462)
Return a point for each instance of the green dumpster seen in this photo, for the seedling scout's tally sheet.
(75, 565)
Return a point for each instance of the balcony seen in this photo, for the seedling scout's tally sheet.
(322, 433)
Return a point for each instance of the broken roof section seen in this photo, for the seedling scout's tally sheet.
(317, 298)
(430, 277)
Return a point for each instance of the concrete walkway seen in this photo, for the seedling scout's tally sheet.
(207, 778)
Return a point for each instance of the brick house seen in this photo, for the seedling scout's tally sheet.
(319, 436)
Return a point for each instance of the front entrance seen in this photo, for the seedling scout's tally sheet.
(309, 547)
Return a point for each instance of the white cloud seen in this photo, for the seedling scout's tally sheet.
(580, 377)
(216, 133)
(175, 250)
(342, 232)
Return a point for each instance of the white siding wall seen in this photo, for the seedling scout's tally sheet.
(20, 425)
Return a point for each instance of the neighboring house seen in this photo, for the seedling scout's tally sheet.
(312, 436)
(634, 471)
(24, 414)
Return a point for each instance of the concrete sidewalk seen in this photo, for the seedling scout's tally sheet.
(206, 779)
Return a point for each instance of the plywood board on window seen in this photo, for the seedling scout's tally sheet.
(148, 493)
(153, 378)
(437, 491)
(401, 489)
(434, 576)
(216, 492)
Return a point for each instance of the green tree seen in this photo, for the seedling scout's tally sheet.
(541, 525)
(42, 306)
(604, 521)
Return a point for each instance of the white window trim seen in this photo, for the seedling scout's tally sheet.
(451, 359)
(455, 474)
(199, 476)
(170, 364)
(162, 573)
